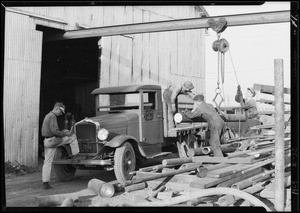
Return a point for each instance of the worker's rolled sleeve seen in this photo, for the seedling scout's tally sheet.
(193, 114)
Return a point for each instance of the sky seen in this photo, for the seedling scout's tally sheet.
(253, 49)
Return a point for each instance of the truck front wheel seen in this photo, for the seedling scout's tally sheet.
(64, 172)
(124, 162)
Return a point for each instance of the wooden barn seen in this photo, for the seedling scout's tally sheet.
(40, 70)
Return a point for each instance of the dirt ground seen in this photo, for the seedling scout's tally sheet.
(23, 190)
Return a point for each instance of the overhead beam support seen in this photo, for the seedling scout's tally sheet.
(181, 24)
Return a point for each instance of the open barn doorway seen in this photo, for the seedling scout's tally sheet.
(69, 74)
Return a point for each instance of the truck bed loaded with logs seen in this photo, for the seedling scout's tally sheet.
(130, 124)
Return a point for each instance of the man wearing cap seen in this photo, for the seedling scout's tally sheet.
(215, 123)
(170, 96)
(54, 138)
(248, 103)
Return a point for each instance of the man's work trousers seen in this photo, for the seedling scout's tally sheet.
(216, 127)
(167, 97)
(50, 145)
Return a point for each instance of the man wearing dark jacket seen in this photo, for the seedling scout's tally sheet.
(215, 122)
(54, 138)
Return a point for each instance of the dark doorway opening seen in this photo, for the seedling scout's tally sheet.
(69, 74)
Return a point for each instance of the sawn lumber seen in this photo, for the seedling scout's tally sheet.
(207, 159)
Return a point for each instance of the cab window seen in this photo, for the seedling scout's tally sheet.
(149, 100)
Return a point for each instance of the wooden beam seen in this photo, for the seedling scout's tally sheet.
(267, 89)
(181, 24)
(34, 15)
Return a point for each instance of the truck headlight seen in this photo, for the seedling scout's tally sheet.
(103, 134)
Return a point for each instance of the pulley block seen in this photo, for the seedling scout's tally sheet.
(221, 45)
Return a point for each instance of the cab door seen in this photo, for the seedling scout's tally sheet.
(151, 122)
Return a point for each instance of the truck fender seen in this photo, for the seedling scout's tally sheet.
(120, 139)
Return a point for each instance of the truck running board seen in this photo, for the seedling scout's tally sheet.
(84, 162)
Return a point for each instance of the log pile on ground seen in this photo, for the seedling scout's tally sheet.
(244, 177)
(240, 178)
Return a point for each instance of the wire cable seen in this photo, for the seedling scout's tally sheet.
(234, 69)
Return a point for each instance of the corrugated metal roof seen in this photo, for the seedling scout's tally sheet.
(124, 89)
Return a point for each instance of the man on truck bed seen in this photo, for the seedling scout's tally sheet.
(248, 103)
(215, 122)
(170, 96)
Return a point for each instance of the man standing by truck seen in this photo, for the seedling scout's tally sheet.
(170, 96)
(54, 138)
(215, 122)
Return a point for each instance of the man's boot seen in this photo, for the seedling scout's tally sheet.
(46, 185)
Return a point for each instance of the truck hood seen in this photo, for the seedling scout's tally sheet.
(112, 120)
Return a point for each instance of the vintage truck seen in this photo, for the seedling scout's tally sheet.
(130, 125)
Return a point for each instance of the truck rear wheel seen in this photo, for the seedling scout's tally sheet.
(124, 162)
(64, 172)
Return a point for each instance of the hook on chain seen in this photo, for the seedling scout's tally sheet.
(218, 93)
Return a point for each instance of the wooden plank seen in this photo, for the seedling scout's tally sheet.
(180, 178)
(145, 51)
(207, 159)
(269, 101)
(207, 182)
(153, 54)
(173, 54)
(236, 179)
(126, 51)
(204, 169)
(222, 172)
(155, 168)
(180, 53)
(268, 89)
(137, 49)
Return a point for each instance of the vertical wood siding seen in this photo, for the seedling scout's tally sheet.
(22, 65)
(148, 58)
(158, 58)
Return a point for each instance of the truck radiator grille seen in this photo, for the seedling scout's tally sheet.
(86, 136)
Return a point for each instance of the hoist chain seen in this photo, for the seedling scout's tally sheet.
(222, 66)
(221, 52)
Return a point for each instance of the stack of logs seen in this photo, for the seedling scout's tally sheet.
(248, 169)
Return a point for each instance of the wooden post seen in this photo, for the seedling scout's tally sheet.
(279, 135)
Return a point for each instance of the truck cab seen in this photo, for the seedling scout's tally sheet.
(128, 125)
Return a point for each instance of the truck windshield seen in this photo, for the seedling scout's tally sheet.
(112, 102)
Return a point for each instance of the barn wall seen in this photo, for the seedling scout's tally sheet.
(22, 64)
(144, 58)
(152, 58)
